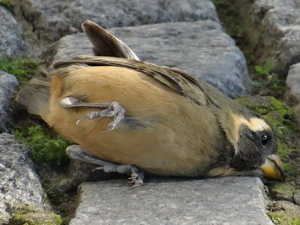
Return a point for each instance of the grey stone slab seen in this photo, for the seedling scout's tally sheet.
(200, 48)
(11, 42)
(230, 200)
(52, 19)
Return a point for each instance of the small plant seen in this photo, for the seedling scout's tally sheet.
(266, 78)
(265, 69)
(45, 147)
(21, 67)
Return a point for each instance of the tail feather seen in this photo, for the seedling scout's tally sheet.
(35, 96)
(106, 44)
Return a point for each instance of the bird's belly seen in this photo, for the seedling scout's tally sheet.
(164, 147)
(146, 148)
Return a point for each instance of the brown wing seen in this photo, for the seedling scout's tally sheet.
(177, 80)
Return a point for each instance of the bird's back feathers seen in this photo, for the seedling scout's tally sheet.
(177, 80)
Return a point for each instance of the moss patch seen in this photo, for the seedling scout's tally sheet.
(22, 67)
(45, 146)
(48, 151)
(282, 218)
(282, 190)
(31, 217)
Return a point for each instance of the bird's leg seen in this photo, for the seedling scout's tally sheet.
(108, 109)
(80, 153)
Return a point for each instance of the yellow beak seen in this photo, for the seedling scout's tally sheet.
(273, 168)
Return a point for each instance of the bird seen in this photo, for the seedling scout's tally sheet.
(130, 116)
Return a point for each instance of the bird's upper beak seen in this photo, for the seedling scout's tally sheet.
(273, 168)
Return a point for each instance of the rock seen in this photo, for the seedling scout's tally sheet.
(20, 189)
(200, 48)
(292, 94)
(231, 200)
(281, 19)
(67, 47)
(52, 19)
(271, 30)
(11, 42)
(288, 207)
(297, 197)
(8, 88)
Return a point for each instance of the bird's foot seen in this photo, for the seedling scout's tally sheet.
(137, 177)
(108, 109)
(79, 153)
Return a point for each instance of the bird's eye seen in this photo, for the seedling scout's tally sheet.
(265, 138)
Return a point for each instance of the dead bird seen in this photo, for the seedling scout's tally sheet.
(132, 116)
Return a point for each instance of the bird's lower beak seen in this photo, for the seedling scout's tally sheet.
(273, 168)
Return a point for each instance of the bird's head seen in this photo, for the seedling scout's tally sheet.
(255, 147)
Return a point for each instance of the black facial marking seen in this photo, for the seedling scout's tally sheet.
(253, 147)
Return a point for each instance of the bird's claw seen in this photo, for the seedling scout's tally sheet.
(136, 178)
(108, 109)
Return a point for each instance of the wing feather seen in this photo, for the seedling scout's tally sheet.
(177, 80)
(106, 44)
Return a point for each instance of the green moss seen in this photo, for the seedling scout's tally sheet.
(264, 105)
(278, 114)
(283, 149)
(45, 146)
(48, 150)
(22, 67)
(288, 167)
(32, 217)
(283, 187)
(7, 4)
(281, 218)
